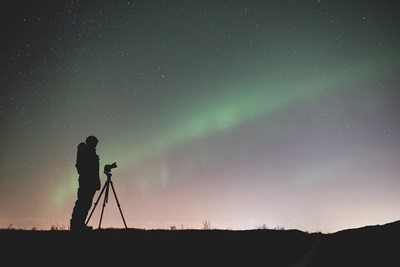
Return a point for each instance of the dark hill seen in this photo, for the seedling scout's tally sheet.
(367, 246)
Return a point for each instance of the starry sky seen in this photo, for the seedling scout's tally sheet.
(240, 113)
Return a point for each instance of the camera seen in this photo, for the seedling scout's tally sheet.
(108, 167)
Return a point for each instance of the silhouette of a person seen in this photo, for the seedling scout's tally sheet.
(88, 167)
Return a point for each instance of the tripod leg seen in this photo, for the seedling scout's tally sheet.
(119, 206)
(104, 202)
(95, 204)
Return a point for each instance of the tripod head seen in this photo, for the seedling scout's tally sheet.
(107, 169)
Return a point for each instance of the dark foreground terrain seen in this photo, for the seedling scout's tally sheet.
(367, 246)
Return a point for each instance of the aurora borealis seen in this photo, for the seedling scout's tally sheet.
(241, 113)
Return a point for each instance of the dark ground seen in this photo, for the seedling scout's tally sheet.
(367, 246)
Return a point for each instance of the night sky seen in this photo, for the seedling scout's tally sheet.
(240, 113)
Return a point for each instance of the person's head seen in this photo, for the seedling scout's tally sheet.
(91, 141)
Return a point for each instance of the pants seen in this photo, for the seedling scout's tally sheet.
(82, 206)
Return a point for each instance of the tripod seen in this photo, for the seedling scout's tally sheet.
(106, 189)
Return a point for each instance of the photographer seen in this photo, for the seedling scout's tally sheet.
(87, 165)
